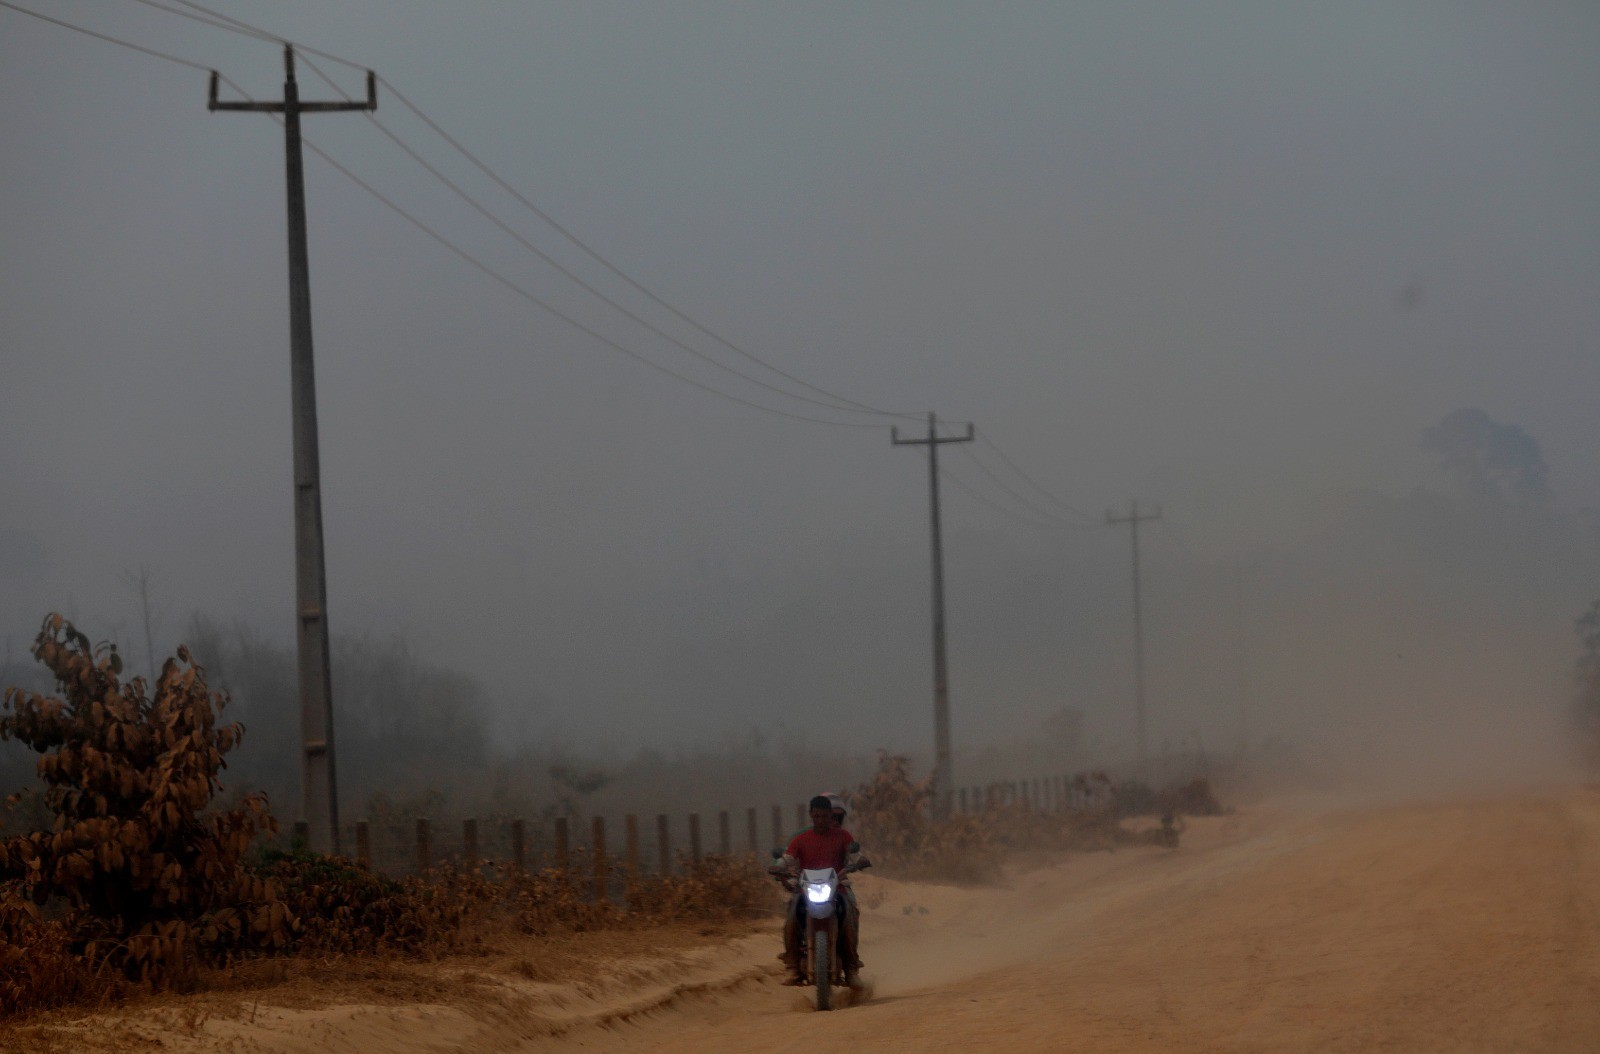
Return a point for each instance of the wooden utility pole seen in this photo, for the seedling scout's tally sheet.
(943, 768)
(319, 794)
(1133, 519)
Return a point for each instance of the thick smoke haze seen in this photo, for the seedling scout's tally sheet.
(1321, 283)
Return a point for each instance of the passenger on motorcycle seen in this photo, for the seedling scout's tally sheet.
(826, 844)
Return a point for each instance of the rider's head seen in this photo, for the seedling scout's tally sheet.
(821, 812)
(836, 806)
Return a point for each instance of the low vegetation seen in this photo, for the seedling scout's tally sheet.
(140, 881)
(892, 814)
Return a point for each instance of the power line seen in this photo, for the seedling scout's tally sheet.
(851, 405)
(220, 21)
(1003, 485)
(105, 37)
(972, 492)
(595, 254)
(563, 269)
(535, 299)
(1086, 517)
(206, 20)
(463, 254)
(246, 29)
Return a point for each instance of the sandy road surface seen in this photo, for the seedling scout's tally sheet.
(1472, 926)
(1468, 926)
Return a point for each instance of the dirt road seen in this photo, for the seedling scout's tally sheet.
(1473, 926)
(1466, 926)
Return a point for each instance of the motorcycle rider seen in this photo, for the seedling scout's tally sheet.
(851, 944)
(825, 845)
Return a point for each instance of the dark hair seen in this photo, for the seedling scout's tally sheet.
(821, 802)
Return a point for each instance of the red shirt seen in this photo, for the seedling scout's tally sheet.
(816, 850)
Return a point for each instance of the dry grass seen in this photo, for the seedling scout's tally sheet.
(367, 935)
(484, 976)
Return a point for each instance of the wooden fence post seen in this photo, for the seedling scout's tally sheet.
(694, 837)
(519, 845)
(963, 799)
(755, 837)
(778, 841)
(600, 859)
(724, 833)
(630, 825)
(664, 844)
(801, 816)
(469, 842)
(563, 855)
(363, 843)
(302, 833)
(424, 857)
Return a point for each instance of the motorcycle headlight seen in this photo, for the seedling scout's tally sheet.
(818, 894)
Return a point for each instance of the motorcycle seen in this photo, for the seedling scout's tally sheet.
(818, 893)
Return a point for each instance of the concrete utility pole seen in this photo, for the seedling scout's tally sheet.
(943, 769)
(141, 584)
(319, 793)
(1240, 656)
(1133, 519)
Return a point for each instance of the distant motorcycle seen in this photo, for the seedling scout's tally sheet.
(818, 892)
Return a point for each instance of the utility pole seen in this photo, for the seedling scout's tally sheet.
(943, 770)
(1133, 519)
(1241, 689)
(142, 585)
(319, 793)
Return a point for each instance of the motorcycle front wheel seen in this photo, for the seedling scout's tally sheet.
(822, 968)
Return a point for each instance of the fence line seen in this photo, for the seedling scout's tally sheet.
(511, 843)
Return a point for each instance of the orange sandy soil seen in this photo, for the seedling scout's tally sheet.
(1466, 925)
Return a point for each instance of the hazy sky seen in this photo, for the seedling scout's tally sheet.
(1229, 257)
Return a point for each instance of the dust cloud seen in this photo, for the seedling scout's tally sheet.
(1314, 282)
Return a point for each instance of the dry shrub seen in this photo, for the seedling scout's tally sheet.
(1135, 798)
(1092, 830)
(546, 901)
(38, 969)
(1017, 826)
(1194, 798)
(141, 879)
(892, 818)
(344, 907)
(714, 888)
